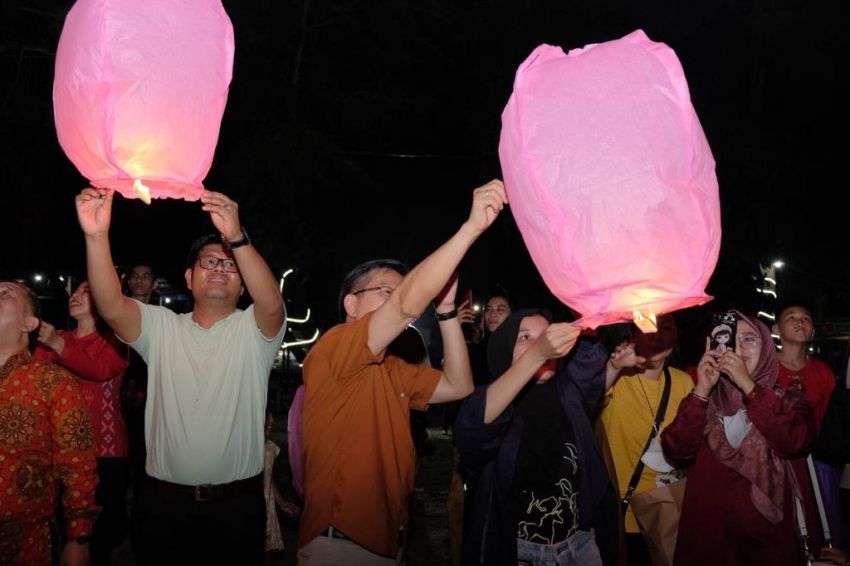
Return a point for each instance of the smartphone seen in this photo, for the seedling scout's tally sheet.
(467, 298)
(723, 330)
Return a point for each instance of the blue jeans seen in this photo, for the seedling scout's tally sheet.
(578, 550)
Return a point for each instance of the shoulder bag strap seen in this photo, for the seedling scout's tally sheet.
(659, 418)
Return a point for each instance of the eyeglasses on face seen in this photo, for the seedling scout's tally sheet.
(749, 341)
(382, 290)
(211, 262)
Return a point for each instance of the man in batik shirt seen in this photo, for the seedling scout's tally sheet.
(45, 436)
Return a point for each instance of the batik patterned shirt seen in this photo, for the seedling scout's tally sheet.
(45, 437)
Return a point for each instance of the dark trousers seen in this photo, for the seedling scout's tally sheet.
(173, 528)
(111, 495)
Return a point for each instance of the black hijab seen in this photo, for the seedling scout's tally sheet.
(545, 426)
(500, 347)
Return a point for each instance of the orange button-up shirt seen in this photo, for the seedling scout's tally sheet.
(359, 457)
(45, 437)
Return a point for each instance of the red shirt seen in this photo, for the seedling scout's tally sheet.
(45, 437)
(817, 382)
(95, 360)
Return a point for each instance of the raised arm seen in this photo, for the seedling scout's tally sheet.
(256, 275)
(624, 356)
(555, 342)
(94, 211)
(427, 279)
(456, 381)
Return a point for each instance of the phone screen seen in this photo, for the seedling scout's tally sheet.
(723, 329)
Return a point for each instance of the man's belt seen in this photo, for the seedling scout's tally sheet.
(210, 492)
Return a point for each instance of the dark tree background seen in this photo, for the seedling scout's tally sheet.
(357, 129)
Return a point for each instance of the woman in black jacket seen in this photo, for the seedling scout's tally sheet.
(542, 493)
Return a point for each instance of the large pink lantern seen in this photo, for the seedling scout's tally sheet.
(139, 92)
(611, 180)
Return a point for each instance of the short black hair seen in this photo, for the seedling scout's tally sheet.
(143, 263)
(198, 245)
(785, 304)
(359, 273)
(499, 291)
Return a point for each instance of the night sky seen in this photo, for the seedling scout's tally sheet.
(357, 130)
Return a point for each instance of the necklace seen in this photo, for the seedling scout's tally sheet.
(648, 404)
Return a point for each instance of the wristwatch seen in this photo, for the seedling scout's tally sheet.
(83, 539)
(442, 317)
(244, 241)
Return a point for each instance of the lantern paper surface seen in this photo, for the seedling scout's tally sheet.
(611, 180)
(139, 92)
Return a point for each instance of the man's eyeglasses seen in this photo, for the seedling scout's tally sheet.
(382, 290)
(211, 262)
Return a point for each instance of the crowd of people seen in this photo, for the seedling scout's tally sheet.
(560, 432)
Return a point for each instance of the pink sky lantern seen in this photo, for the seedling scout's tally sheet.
(611, 180)
(139, 92)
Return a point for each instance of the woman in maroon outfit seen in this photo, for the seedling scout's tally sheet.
(98, 360)
(739, 431)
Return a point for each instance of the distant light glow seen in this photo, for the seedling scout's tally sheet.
(286, 345)
(38, 277)
(766, 315)
(167, 300)
(283, 277)
(476, 308)
(778, 263)
(294, 320)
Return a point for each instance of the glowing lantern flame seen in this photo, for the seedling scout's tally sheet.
(646, 323)
(143, 191)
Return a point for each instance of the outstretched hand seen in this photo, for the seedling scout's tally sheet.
(465, 314)
(624, 356)
(556, 341)
(487, 202)
(94, 210)
(224, 214)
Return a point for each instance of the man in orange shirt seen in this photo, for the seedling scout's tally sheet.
(358, 454)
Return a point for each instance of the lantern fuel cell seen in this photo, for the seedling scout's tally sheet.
(139, 91)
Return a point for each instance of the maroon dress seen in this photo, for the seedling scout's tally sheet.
(719, 523)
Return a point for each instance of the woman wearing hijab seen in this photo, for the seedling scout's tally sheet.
(542, 490)
(740, 432)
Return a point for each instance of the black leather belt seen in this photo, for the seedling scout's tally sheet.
(210, 492)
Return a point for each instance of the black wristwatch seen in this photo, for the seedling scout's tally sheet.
(442, 317)
(244, 241)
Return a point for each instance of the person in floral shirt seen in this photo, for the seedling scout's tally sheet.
(45, 437)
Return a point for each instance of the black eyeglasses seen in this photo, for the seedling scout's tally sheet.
(382, 290)
(210, 262)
